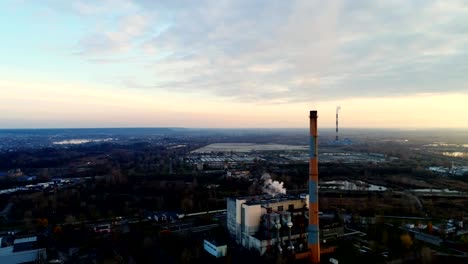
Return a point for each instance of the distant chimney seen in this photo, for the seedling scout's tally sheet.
(336, 138)
(338, 108)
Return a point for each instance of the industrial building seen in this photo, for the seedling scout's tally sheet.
(269, 222)
(263, 223)
(21, 250)
(281, 222)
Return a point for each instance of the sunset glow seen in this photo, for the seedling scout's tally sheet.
(122, 63)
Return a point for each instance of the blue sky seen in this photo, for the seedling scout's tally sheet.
(233, 63)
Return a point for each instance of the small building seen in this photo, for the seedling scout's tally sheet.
(214, 248)
(20, 250)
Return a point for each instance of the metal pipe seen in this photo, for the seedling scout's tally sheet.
(291, 246)
(313, 228)
(278, 227)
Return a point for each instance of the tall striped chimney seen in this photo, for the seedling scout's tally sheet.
(313, 228)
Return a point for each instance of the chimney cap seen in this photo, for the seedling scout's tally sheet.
(313, 114)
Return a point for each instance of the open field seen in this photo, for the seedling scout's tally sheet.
(247, 147)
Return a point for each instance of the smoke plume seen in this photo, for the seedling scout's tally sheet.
(338, 108)
(272, 187)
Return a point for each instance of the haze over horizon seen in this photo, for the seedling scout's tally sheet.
(229, 64)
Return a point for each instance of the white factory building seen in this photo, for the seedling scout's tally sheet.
(264, 222)
(21, 250)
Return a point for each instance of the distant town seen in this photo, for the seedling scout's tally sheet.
(230, 196)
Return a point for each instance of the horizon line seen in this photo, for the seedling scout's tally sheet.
(235, 128)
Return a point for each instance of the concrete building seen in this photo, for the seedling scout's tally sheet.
(265, 222)
(215, 249)
(21, 250)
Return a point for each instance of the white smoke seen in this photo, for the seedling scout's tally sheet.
(272, 187)
(338, 108)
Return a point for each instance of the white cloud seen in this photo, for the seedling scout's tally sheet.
(270, 51)
(101, 7)
(122, 39)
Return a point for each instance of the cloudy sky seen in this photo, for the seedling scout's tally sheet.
(239, 63)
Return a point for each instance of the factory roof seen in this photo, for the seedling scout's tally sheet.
(25, 240)
(266, 199)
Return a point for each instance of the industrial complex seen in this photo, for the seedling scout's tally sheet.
(278, 222)
(267, 222)
(224, 200)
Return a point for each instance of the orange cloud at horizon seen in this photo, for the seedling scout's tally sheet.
(73, 105)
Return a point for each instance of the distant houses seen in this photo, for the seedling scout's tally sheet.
(454, 170)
